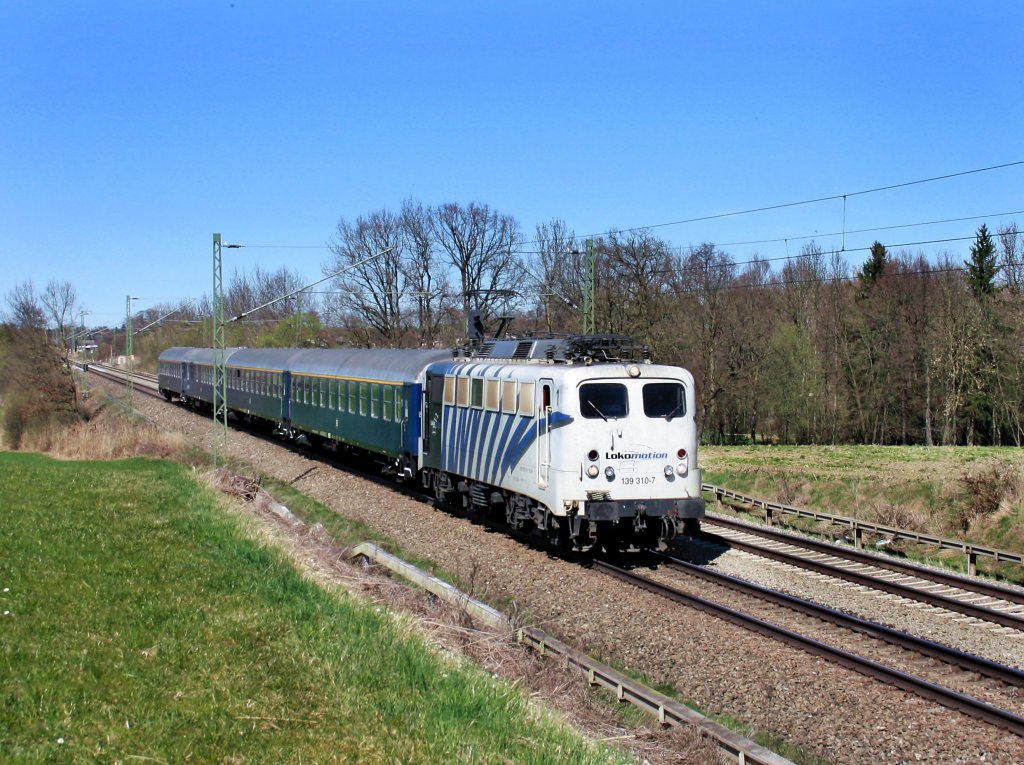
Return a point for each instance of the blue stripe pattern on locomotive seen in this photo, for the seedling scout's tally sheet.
(485, 444)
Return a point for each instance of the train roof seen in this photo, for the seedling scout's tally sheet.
(558, 347)
(387, 364)
(194, 355)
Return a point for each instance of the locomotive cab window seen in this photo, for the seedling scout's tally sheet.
(664, 399)
(603, 401)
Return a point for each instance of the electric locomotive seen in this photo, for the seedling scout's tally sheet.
(578, 438)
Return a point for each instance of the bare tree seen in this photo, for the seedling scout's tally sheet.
(373, 285)
(563, 270)
(1011, 257)
(701, 279)
(426, 276)
(480, 244)
(25, 308)
(59, 299)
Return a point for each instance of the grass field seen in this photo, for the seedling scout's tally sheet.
(974, 493)
(143, 623)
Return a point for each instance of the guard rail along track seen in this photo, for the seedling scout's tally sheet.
(873, 582)
(858, 527)
(944, 696)
(669, 712)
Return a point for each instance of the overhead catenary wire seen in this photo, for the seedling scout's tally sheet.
(802, 237)
(832, 197)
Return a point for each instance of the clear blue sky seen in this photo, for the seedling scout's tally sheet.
(131, 131)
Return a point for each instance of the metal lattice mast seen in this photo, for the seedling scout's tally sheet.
(589, 290)
(220, 380)
(85, 367)
(129, 384)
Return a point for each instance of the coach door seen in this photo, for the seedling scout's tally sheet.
(433, 407)
(545, 390)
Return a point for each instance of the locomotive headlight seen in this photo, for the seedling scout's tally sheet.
(634, 371)
(681, 468)
(609, 473)
(668, 471)
(592, 455)
(593, 471)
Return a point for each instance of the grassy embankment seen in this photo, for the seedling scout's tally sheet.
(971, 493)
(142, 623)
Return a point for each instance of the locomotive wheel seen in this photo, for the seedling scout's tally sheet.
(558, 532)
(513, 521)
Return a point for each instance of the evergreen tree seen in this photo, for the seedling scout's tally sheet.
(981, 268)
(873, 269)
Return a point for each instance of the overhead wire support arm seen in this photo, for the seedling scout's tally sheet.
(340, 271)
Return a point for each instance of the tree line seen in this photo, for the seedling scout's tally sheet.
(899, 349)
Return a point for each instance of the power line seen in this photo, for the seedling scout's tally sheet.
(802, 237)
(817, 199)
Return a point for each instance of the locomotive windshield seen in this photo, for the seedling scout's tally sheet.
(664, 399)
(607, 401)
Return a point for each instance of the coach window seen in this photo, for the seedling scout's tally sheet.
(603, 401)
(325, 386)
(664, 399)
(449, 390)
(508, 396)
(375, 400)
(389, 397)
(462, 391)
(492, 392)
(364, 398)
(477, 391)
(350, 396)
(526, 399)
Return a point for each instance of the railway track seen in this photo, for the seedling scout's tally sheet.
(984, 602)
(948, 697)
(141, 381)
(953, 699)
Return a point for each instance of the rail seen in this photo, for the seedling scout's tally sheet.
(858, 527)
(669, 712)
(923, 688)
(944, 653)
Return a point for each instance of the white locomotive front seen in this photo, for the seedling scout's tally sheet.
(581, 439)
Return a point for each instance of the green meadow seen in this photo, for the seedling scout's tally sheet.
(141, 622)
(971, 493)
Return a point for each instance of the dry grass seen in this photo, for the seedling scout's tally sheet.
(104, 432)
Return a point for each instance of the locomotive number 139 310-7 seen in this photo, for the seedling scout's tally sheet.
(639, 480)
